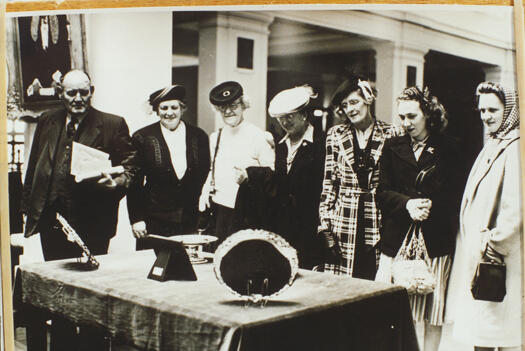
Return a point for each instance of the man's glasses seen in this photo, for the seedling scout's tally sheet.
(230, 107)
(74, 92)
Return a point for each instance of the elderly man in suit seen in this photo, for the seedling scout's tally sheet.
(90, 206)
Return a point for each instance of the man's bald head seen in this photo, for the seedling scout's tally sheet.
(76, 91)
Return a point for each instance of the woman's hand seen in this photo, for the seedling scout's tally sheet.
(139, 229)
(492, 255)
(419, 209)
(239, 174)
(204, 201)
(333, 253)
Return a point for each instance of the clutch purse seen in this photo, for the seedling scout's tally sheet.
(489, 282)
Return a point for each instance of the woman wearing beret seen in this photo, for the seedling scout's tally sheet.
(233, 148)
(421, 182)
(286, 201)
(174, 159)
(491, 220)
(349, 219)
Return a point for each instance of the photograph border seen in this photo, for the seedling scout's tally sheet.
(74, 5)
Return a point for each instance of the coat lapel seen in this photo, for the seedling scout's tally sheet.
(90, 129)
(429, 153)
(346, 145)
(404, 151)
(165, 150)
(55, 129)
(479, 175)
(377, 140)
(192, 145)
(304, 156)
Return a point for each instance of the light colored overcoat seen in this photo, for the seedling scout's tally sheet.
(490, 212)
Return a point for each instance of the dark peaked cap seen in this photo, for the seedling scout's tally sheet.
(225, 93)
(174, 92)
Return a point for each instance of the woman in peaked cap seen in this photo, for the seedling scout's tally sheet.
(299, 164)
(233, 148)
(174, 160)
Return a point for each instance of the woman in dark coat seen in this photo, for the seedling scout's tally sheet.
(174, 159)
(434, 201)
(286, 201)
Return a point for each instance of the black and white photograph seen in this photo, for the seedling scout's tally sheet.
(285, 177)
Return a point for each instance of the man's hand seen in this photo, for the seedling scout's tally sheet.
(419, 209)
(139, 229)
(107, 181)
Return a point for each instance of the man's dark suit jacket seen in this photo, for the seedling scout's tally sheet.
(94, 209)
(164, 198)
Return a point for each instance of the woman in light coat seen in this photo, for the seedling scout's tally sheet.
(491, 222)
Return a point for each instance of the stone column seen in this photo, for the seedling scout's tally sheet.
(392, 62)
(218, 38)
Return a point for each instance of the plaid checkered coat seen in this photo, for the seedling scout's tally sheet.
(341, 192)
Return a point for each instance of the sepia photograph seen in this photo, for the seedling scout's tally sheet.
(277, 177)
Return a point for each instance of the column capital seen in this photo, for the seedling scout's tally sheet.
(257, 22)
(401, 51)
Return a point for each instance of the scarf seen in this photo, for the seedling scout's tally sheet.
(511, 115)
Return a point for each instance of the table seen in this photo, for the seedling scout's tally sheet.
(319, 312)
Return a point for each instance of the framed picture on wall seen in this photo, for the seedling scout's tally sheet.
(40, 50)
(137, 55)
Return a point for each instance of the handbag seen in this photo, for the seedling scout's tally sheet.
(411, 266)
(489, 282)
(206, 219)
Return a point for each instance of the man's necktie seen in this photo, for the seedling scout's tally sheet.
(71, 130)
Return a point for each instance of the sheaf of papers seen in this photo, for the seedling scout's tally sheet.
(85, 159)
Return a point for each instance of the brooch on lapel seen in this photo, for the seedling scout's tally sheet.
(430, 149)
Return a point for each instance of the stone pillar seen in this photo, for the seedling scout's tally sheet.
(392, 62)
(218, 37)
(129, 57)
(508, 70)
(492, 73)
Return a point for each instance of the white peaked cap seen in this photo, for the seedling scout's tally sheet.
(290, 101)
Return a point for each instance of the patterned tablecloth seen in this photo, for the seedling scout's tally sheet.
(319, 312)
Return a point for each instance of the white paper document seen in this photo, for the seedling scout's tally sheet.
(85, 159)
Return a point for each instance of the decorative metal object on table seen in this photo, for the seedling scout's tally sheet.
(73, 236)
(255, 265)
(194, 244)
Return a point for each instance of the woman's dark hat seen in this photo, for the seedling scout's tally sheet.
(225, 93)
(174, 92)
(351, 84)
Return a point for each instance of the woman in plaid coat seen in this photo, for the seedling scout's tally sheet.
(349, 218)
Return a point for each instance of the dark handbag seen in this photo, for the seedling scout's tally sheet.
(489, 281)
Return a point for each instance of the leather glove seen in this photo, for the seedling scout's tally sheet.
(333, 253)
